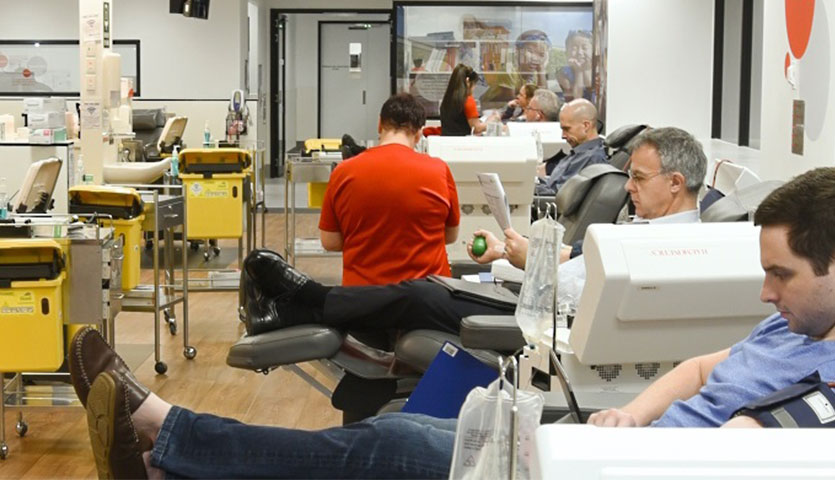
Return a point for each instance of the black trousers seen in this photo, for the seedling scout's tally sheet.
(411, 305)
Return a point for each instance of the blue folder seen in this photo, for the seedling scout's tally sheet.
(445, 385)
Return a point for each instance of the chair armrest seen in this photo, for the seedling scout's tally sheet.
(494, 332)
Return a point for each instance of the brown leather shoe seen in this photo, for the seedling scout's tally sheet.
(116, 444)
(89, 356)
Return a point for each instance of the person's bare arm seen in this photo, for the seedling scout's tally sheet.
(332, 241)
(477, 125)
(451, 234)
(681, 383)
(742, 421)
(516, 248)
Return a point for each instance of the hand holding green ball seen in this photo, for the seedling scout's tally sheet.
(479, 245)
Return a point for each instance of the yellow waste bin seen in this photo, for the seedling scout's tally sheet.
(125, 207)
(214, 205)
(31, 311)
(214, 160)
(213, 180)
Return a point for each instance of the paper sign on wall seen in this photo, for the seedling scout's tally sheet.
(354, 57)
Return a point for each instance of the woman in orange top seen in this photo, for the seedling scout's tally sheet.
(459, 114)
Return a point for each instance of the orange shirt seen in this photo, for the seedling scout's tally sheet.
(470, 109)
(392, 206)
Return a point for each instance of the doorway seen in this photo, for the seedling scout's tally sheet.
(294, 74)
(354, 79)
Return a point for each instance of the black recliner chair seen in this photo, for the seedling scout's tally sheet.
(595, 195)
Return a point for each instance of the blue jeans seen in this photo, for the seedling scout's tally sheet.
(394, 445)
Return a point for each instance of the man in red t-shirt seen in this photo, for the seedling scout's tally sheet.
(391, 210)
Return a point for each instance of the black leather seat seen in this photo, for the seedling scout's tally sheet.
(595, 195)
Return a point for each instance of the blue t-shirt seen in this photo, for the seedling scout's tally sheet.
(770, 359)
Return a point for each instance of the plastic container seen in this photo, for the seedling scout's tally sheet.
(4, 199)
(126, 208)
(214, 205)
(316, 194)
(175, 163)
(31, 309)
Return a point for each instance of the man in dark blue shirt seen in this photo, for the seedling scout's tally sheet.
(578, 120)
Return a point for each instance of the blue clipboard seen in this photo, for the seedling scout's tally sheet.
(445, 385)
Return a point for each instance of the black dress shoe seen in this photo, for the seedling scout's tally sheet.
(274, 277)
(260, 314)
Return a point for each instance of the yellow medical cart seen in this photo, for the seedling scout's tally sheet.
(31, 313)
(121, 207)
(316, 190)
(213, 180)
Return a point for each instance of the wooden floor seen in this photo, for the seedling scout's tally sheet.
(57, 445)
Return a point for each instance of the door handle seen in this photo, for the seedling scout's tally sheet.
(363, 97)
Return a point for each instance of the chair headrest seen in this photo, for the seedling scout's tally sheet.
(148, 118)
(735, 207)
(619, 137)
(573, 192)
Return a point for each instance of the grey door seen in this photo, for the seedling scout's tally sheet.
(350, 101)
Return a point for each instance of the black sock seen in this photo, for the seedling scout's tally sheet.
(313, 294)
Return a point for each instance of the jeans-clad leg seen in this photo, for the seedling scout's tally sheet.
(395, 445)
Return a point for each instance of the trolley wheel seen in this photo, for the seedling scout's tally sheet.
(149, 244)
(190, 352)
(4, 451)
(194, 246)
(216, 251)
(242, 314)
(171, 321)
(21, 428)
(160, 367)
(206, 255)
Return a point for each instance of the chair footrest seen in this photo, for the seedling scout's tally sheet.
(286, 346)
(494, 332)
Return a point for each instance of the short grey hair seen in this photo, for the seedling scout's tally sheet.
(549, 103)
(679, 152)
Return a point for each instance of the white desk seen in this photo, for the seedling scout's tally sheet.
(15, 158)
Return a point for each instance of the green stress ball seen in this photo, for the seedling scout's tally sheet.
(479, 246)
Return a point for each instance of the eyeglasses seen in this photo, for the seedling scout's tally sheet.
(640, 178)
(535, 110)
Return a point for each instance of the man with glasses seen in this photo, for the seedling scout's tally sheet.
(578, 120)
(667, 169)
(544, 106)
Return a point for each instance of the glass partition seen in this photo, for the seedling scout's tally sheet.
(547, 45)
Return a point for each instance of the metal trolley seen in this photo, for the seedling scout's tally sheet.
(163, 212)
(45, 298)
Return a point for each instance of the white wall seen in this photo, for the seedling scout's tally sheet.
(816, 88)
(660, 64)
(731, 70)
(181, 58)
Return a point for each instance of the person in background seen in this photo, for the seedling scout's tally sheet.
(516, 108)
(578, 120)
(391, 210)
(459, 113)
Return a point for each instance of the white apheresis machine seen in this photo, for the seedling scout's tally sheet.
(584, 452)
(513, 158)
(654, 295)
(550, 135)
